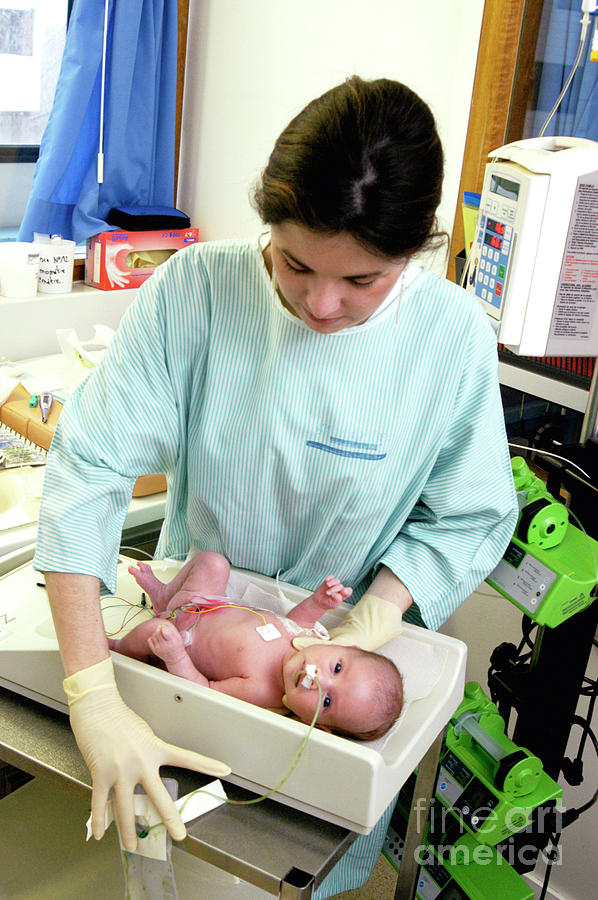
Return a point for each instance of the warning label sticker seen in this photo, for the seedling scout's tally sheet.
(576, 303)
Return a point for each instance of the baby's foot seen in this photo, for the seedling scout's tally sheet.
(167, 644)
(155, 589)
(331, 593)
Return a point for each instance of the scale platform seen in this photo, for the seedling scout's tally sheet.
(349, 783)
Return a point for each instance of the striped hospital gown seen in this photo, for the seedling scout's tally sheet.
(287, 449)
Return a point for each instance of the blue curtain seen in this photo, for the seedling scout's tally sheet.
(577, 115)
(139, 123)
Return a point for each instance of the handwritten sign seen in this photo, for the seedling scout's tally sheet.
(55, 275)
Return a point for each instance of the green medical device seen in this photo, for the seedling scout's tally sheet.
(550, 567)
(460, 870)
(488, 783)
(468, 871)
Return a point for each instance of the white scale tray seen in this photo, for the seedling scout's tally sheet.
(343, 781)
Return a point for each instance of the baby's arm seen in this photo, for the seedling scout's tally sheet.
(329, 595)
(168, 645)
(252, 689)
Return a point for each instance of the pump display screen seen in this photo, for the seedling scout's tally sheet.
(494, 234)
(504, 187)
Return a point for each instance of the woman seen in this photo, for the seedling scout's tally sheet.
(317, 402)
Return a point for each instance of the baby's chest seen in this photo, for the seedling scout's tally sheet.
(244, 646)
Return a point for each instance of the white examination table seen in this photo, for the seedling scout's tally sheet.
(346, 782)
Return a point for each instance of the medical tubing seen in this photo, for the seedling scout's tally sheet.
(549, 453)
(136, 550)
(293, 766)
(273, 790)
(585, 21)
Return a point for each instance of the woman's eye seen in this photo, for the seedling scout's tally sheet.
(362, 284)
(296, 269)
(326, 702)
(338, 667)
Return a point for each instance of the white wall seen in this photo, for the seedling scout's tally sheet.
(251, 66)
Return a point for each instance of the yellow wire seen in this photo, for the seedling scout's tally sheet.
(202, 612)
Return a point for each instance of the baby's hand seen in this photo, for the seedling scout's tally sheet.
(331, 593)
(167, 644)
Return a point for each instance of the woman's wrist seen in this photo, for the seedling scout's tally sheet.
(389, 586)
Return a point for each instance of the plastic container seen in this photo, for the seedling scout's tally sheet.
(56, 267)
(19, 264)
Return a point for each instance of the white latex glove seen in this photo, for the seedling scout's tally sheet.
(115, 274)
(121, 750)
(369, 624)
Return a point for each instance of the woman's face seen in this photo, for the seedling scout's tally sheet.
(329, 281)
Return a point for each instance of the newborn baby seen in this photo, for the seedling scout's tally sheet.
(201, 635)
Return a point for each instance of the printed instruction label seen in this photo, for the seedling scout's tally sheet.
(576, 303)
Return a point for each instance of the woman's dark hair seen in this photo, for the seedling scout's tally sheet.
(363, 158)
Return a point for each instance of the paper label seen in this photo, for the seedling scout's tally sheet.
(576, 304)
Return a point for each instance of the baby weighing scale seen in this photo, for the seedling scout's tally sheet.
(347, 782)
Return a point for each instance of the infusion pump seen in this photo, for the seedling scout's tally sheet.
(534, 261)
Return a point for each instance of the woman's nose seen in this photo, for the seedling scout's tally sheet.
(323, 299)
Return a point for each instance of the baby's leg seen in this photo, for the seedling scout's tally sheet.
(135, 643)
(329, 595)
(167, 643)
(204, 573)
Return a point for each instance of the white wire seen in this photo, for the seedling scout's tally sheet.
(100, 176)
(585, 21)
(555, 455)
(136, 550)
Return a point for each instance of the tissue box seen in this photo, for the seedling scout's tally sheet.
(124, 259)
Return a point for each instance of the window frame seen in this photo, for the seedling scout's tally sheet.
(27, 153)
(503, 82)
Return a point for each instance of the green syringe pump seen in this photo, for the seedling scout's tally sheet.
(489, 783)
(550, 567)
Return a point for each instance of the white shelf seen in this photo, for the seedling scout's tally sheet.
(28, 325)
(538, 385)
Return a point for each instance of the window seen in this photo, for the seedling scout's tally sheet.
(32, 36)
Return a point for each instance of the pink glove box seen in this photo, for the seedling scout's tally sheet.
(124, 259)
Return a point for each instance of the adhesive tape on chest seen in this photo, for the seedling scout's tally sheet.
(268, 632)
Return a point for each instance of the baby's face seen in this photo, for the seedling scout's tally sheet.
(345, 676)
